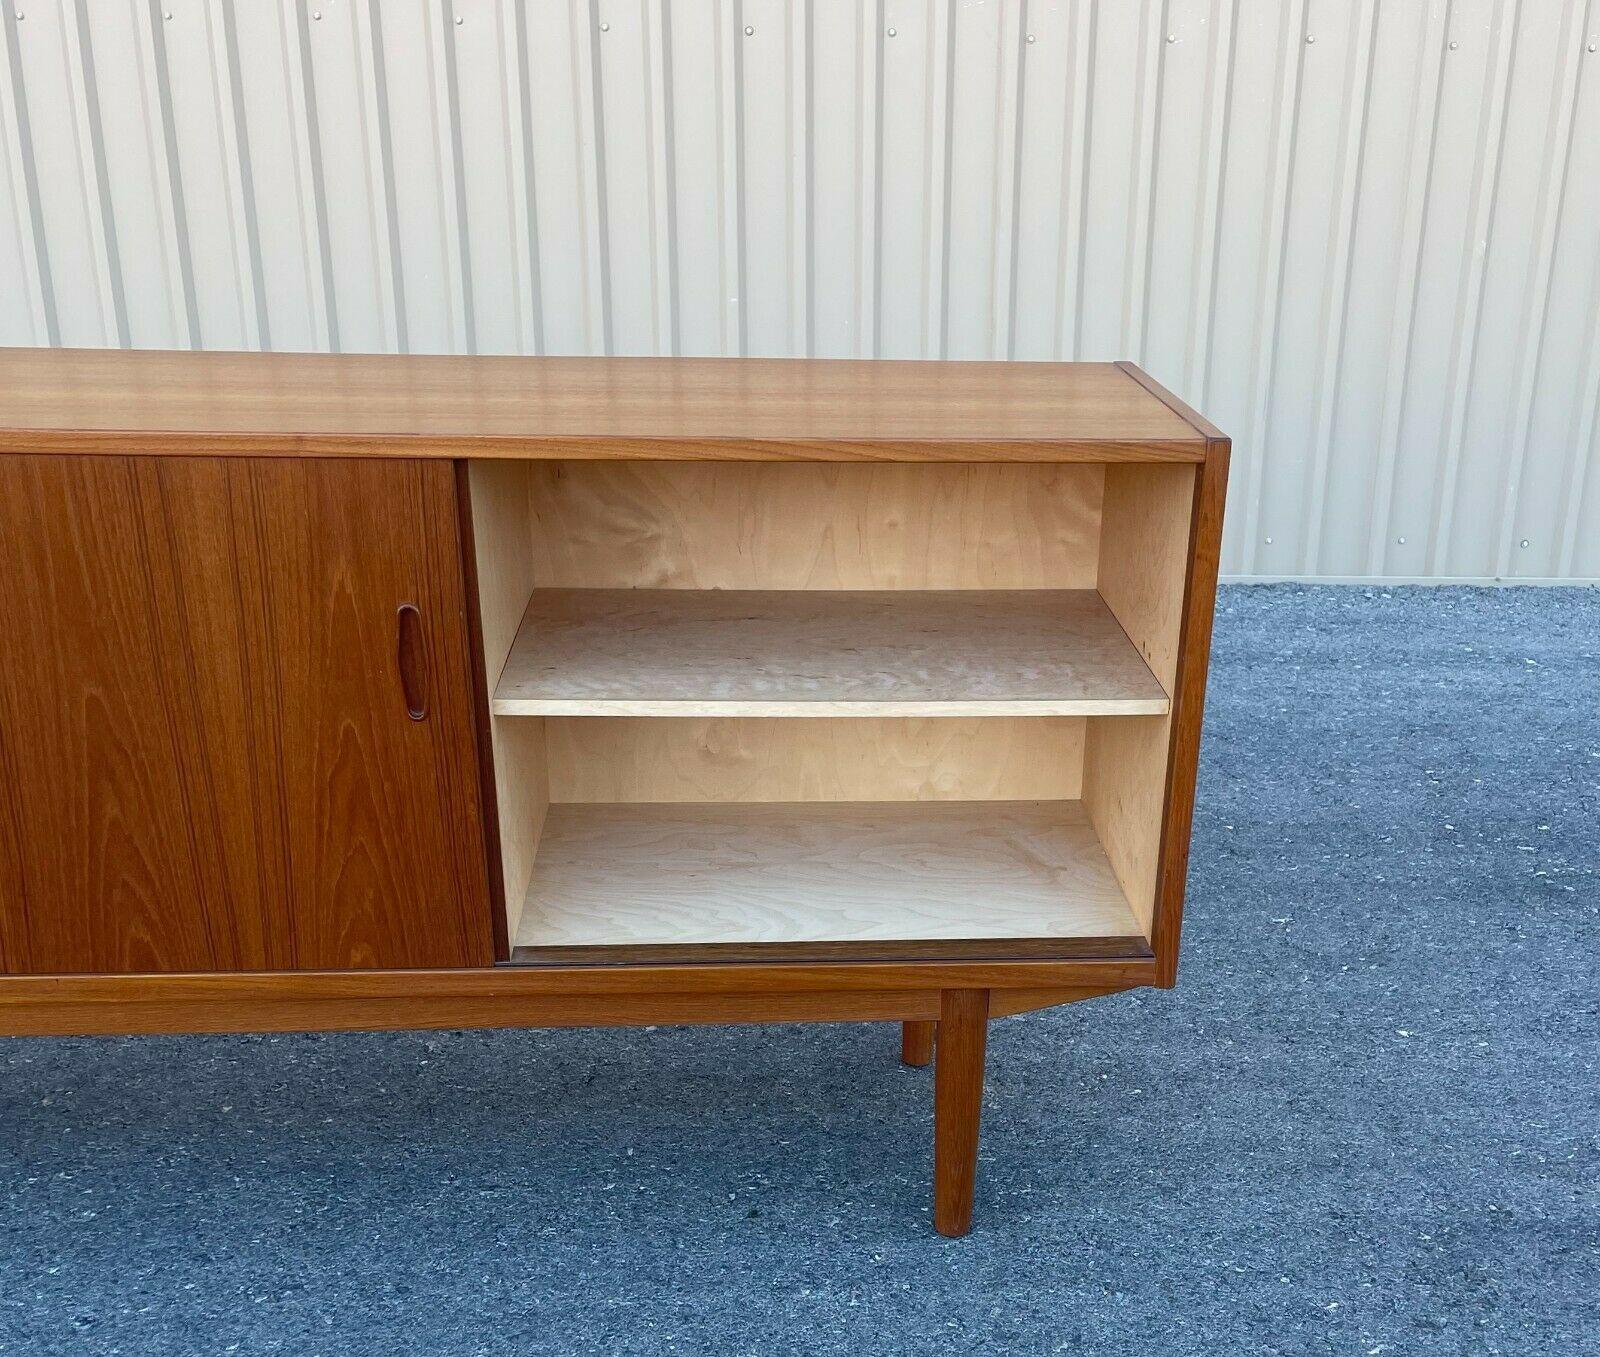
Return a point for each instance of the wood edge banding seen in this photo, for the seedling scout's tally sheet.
(1183, 753)
(219, 443)
(1198, 422)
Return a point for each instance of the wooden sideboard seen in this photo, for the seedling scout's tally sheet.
(383, 692)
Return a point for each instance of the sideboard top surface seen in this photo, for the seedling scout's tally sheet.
(149, 401)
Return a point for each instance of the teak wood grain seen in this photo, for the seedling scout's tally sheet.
(509, 996)
(916, 1042)
(1193, 667)
(1194, 652)
(958, 1106)
(207, 757)
(161, 403)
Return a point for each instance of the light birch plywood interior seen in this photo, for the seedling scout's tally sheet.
(624, 759)
(498, 496)
(814, 525)
(736, 595)
(881, 652)
(1144, 557)
(820, 872)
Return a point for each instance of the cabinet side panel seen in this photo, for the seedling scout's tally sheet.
(1124, 785)
(688, 525)
(1143, 565)
(605, 759)
(499, 495)
(1188, 704)
(1144, 558)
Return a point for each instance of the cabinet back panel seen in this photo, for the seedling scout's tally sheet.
(812, 525)
(599, 759)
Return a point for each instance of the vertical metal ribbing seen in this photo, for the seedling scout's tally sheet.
(1383, 245)
(530, 301)
(1402, 327)
(1208, 240)
(1475, 260)
(174, 173)
(237, 129)
(301, 75)
(1076, 144)
(446, 106)
(1148, 83)
(1269, 288)
(1336, 294)
(39, 283)
(99, 207)
(1553, 177)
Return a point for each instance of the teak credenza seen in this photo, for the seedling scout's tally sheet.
(345, 692)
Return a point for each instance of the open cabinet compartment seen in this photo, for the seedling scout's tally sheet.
(749, 710)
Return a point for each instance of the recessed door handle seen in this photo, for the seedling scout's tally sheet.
(411, 659)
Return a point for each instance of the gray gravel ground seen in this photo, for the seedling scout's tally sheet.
(1365, 1123)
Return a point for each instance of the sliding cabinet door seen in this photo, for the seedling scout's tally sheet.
(236, 724)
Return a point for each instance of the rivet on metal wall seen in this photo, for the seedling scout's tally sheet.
(749, 32)
(460, 20)
(1593, 46)
(894, 32)
(1454, 44)
(1269, 541)
(316, 14)
(1524, 541)
(1400, 540)
(605, 28)
(1031, 38)
(1172, 37)
(1311, 37)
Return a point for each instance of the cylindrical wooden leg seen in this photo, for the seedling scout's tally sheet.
(957, 1105)
(916, 1043)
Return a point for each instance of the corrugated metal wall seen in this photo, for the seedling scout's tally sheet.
(1363, 237)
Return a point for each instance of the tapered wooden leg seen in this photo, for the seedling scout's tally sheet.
(916, 1043)
(957, 1105)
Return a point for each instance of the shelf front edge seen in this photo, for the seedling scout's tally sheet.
(516, 706)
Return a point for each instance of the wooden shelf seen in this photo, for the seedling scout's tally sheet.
(686, 652)
(831, 874)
